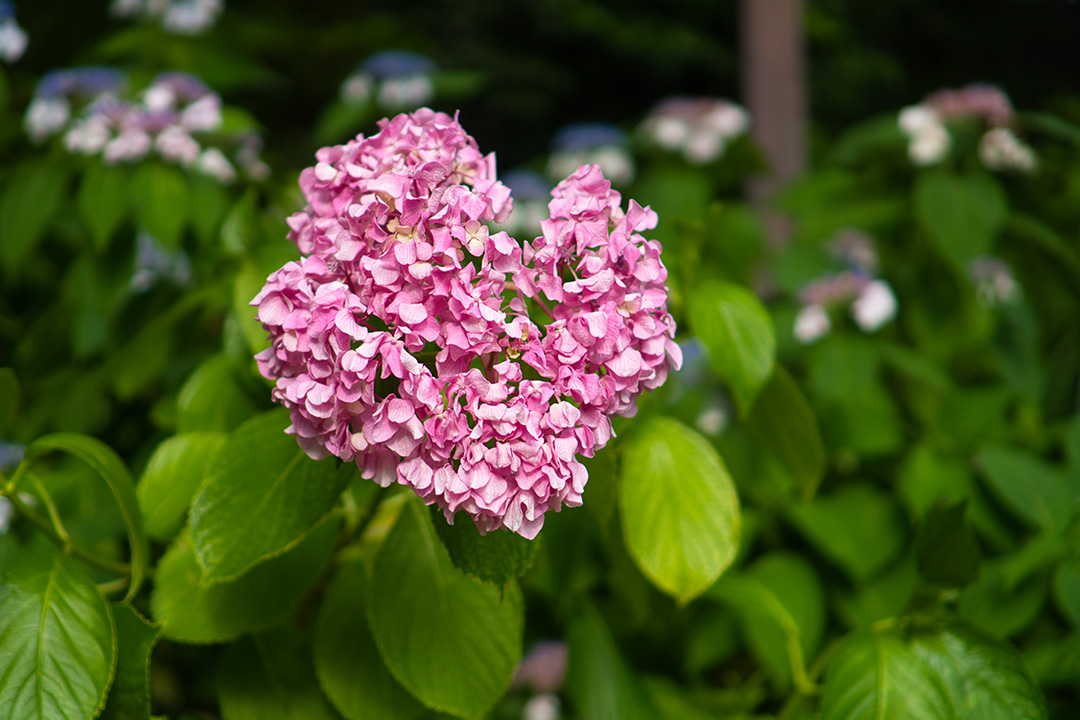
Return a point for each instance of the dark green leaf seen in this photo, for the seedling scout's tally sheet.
(213, 398)
(239, 232)
(876, 677)
(31, 199)
(498, 557)
(927, 478)
(984, 679)
(679, 510)
(263, 496)
(738, 334)
(999, 606)
(270, 677)
(111, 468)
(161, 202)
(886, 596)
(599, 681)
(962, 213)
(946, 552)
(58, 648)
(1067, 589)
(1036, 492)
(173, 475)
(450, 640)
(783, 422)
(104, 197)
(347, 661)
(129, 698)
(9, 399)
(196, 613)
(858, 527)
(249, 281)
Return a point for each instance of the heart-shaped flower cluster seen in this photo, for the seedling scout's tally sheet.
(413, 341)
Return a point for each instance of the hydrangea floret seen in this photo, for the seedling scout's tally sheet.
(13, 39)
(412, 340)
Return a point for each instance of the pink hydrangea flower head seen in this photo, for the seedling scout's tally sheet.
(401, 340)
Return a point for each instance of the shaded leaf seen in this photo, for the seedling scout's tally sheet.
(599, 681)
(783, 422)
(129, 698)
(1067, 589)
(213, 398)
(176, 469)
(962, 213)
(1036, 492)
(498, 557)
(104, 197)
(31, 199)
(161, 202)
(946, 552)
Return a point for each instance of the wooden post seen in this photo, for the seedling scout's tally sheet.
(773, 68)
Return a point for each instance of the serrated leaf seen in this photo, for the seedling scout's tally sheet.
(173, 474)
(858, 527)
(270, 676)
(782, 607)
(195, 613)
(945, 550)
(347, 660)
(213, 398)
(983, 678)
(598, 679)
(784, 423)
(104, 198)
(161, 202)
(962, 213)
(738, 334)
(129, 698)
(450, 640)
(876, 677)
(1036, 492)
(263, 496)
(31, 198)
(497, 558)
(680, 513)
(112, 470)
(58, 646)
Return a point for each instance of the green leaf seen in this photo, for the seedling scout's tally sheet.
(240, 230)
(270, 677)
(196, 613)
(211, 201)
(104, 197)
(497, 558)
(263, 496)
(946, 552)
(1067, 589)
(679, 510)
(886, 596)
(347, 660)
(31, 199)
(176, 469)
(111, 468)
(927, 478)
(598, 679)
(450, 640)
(857, 527)
(58, 648)
(783, 422)
(876, 677)
(249, 281)
(736, 330)
(1000, 606)
(984, 679)
(782, 607)
(161, 202)
(1035, 492)
(9, 399)
(213, 398)
(962, 213)
(129, 698)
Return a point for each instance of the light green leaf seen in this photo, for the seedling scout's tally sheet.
(111, 468)
(129, 698)
(926, 478)
(58, 647)
(249, 281)
(962, 213)
(347, 661)
(876, 677)
(679, 510)
(450, 640)
(270, 677)
(195, 613)
(497, 558)
(161, 202)
(213, 398)
(240, 230)
(738, 334)
(1036, 492)
(9, 399)
(782, 606)
(857, 527)
(599, 681)
(1067, 589)
(31, 198)
(783, 422)
(104, 197)
(945, 550)
(176, 469)
(263, 496)
(984, 679)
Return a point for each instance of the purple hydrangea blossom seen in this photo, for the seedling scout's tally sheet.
(408, 339)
